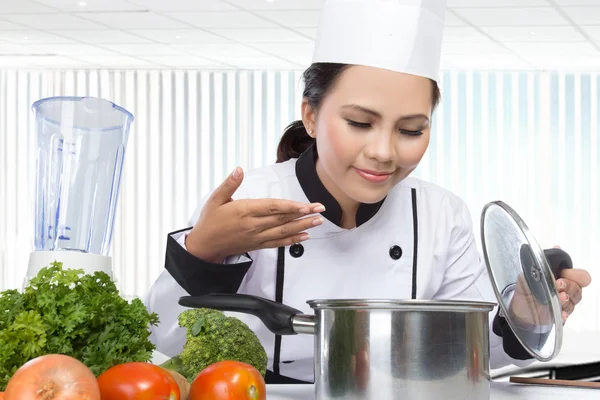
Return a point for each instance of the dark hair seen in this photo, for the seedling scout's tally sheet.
(318, 81)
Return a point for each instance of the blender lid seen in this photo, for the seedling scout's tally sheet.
(523, 280)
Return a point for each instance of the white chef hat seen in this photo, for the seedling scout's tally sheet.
(399, 35)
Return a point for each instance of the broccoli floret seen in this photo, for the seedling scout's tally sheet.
(212, 337)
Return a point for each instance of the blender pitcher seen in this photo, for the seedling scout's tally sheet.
(80, 148)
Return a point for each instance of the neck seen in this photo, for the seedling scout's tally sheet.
(348, 221)
(349, 207)
(318, 188)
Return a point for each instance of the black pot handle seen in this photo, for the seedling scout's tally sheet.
(558, 260)
(277, 317)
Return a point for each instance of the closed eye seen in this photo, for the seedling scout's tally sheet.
(361, 125)
(366, 125)
(410, 133)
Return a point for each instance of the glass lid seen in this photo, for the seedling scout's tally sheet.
(523, 276)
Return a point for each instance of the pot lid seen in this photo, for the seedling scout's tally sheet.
(523, 276)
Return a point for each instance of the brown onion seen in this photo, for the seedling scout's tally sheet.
(53, 377)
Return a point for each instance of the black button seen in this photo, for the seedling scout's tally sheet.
(395, 252)
(296, 250)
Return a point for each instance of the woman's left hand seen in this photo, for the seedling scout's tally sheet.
(526, 308)
(570, 287)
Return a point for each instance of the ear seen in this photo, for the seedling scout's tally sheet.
(308, 118)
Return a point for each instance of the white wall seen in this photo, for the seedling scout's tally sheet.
(529, 139)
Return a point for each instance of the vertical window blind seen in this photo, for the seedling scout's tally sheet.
(527, 138)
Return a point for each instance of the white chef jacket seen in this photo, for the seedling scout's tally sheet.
(417, 243)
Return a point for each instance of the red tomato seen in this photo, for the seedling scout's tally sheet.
(228, 380)
(138, 381)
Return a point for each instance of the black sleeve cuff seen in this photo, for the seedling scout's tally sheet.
(512, 346)
(198, 277)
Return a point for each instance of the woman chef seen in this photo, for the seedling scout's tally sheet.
(368, 230)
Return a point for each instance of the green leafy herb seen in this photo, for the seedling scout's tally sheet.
(67, 312)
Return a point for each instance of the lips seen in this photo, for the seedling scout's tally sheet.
(373, 176)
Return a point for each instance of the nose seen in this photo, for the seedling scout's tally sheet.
(380, 147)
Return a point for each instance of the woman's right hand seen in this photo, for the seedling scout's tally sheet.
(227, 227)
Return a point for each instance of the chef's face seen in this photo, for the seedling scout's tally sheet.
(372, 129)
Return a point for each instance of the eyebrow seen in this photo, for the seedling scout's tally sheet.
(404, 118)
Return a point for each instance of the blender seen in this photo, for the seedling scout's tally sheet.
(80, 149)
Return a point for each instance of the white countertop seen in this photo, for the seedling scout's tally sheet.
(500, 391)
(582, 347)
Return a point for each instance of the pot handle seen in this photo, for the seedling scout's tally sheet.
(558, 260)
(277, 317)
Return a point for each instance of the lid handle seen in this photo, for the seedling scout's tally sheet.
(558, 260)
(277, 317)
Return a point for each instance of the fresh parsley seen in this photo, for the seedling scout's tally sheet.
(68, 312)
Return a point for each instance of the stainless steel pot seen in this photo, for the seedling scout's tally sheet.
(382, 349)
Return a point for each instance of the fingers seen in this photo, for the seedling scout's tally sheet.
(270, 207)
(570, 294)
(570, 290)
(287, 241)
(264, 223)
(285, 235)
(567, 306)
(224, 192)
(574, 291)
(565, 301)
(579, 276)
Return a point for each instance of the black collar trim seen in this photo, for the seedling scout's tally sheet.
(314, 190)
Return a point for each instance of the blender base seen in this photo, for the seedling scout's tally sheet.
(87, 262)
